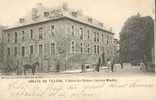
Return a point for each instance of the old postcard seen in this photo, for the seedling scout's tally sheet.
(77, 50)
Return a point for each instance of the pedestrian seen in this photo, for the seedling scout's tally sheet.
(142, 66)
(98, 67)
(112, 65)
(17, 68)
(82, 68)
(58, 66)
(121, 65)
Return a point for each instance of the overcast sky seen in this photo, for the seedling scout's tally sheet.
(112, 13)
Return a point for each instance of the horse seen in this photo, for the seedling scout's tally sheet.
(32, 67)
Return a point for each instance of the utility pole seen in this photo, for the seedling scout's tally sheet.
(154, 45)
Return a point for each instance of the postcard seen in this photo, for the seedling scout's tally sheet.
(77, 50)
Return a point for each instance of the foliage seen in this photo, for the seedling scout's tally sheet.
(137, 39)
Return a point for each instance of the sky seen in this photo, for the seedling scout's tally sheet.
(113, 13)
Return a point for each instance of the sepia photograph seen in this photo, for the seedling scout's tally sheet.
(51, 37)
(95, 40)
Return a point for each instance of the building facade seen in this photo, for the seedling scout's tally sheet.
(1, 44)
(57, 36)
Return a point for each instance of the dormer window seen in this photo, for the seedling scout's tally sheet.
(90, 20)
(46, 14)
(34, 14)
(101, 24)
(74, 13)
(21, 20)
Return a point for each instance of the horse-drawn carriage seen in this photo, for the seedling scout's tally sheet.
(30, 66)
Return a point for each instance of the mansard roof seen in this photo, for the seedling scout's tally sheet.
(42, 14)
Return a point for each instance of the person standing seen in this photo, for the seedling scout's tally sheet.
(82, 68)
(142, 66)
(112, 65)
(17, 68)
(98, 67)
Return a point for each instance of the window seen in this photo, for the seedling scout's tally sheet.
(52, 48)
(88, 50)
(23, 51)
(15, 37)
(31, 50)
(8, 37)
(94, 49)
(97, 36)
(46, 50)
(107, 39)
(98, 49)
(31, 34)
(72, 46)
(88, 34)
(94, 36)
(40, 50)
(81, 46)
(52, 29)
(40, 33)
(102, 37)
(73, 30)
(81, 33)
(15, 51)
(8, 51)
(23, 35)
(74, 13)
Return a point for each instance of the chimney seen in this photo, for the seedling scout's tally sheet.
(65, 6)
(39, 4)
(79, 12)
(34, 13)
(111, 29)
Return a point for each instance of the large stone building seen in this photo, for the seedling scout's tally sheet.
(57, 36)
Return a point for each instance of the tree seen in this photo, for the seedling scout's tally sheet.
(137, 39)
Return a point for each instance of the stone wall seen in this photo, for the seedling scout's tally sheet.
(62, 36)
